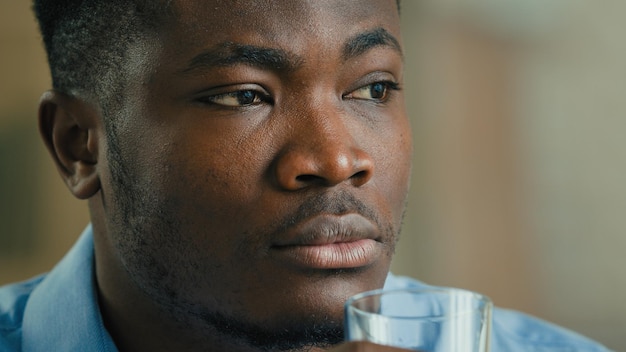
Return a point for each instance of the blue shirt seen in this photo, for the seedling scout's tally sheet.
(59, 312)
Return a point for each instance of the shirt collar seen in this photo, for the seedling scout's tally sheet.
(63, 310)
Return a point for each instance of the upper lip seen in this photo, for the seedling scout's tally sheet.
(326, 229)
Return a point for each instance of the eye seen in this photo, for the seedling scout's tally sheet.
(378, 91)
(238, 98)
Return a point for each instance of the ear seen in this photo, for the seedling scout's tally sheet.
(69, 127)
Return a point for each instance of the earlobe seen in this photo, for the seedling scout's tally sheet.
(69, 127)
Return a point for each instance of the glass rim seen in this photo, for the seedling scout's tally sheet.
(349, 305)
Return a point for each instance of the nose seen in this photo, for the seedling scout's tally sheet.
(322, 152)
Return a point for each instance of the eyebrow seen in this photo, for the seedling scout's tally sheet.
(231, 53)
(362, 42)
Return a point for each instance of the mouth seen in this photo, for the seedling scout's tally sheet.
(330, 242)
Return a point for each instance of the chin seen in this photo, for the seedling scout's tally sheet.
(318, 294)
(294, 331)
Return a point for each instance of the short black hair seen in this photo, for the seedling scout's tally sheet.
(87, 41)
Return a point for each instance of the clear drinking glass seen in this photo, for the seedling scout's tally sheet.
(425, 319)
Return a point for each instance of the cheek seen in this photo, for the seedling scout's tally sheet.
(394, 151)
(393, 167)
(215, 175)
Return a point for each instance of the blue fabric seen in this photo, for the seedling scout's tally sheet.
(56, 312)
(59, 312)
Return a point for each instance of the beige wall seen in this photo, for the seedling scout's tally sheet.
(519, 157)
(519, 114)
(33, 200)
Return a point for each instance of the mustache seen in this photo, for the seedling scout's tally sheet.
(336, 204)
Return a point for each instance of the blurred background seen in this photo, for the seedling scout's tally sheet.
(519, 167)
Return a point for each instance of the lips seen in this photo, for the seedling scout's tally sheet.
(330, 242)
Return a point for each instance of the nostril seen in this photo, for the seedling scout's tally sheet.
(333, 164)
(307, 178)
(360, 178)
(360, 174)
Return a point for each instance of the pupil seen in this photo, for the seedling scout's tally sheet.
(377, 90)
(245, 97)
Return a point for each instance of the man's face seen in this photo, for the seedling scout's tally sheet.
(264, 157)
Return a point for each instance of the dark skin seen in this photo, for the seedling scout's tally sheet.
(257, 177)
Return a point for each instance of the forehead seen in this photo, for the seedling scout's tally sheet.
(201, 22)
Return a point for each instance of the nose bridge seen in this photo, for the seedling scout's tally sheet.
(325, 128)
(322, 149)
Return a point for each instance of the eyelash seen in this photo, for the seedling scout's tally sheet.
(254, 97)
(387, 86)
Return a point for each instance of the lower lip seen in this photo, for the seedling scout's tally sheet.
(341, 255)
